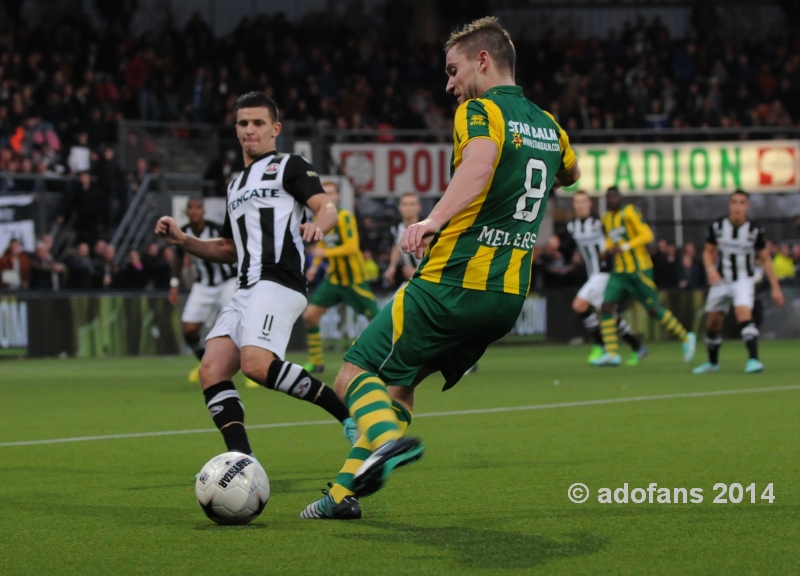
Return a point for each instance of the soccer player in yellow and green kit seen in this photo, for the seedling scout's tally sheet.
(476, 248)
(346, 279)
(627, 237)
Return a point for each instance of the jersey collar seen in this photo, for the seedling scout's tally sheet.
(516, 90)
(264, 155)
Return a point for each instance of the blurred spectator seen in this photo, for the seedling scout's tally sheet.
(98, 263)
(666, 267)
(133, 276)
(111, 183)
(15, 267)
(556, 268)
(79, 268)
(112, 275)
(692, 272)
(796, 261)
(157, 268)
(79, 159)
(44, 269)
(88, 205)
(783, 263)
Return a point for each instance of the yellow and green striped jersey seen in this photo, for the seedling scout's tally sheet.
(489, 245)
(627, 226)
(343, 252)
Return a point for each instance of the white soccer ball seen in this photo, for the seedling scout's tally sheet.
(232, 488)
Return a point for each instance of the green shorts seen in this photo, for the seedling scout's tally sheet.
(358, 296)
(442, 328)
(638, 285)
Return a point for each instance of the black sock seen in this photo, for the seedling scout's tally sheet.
(227, 413)
(713, 343)
(198, 347)
(295, 381)
(592, 325)
(624, 329)
(749, 332)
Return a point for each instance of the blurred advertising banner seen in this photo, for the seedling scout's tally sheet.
(16, 221)
(382, 170)
(694, 167)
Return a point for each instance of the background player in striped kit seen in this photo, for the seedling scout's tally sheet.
(734, 246)
(627, 237)
(264, 230)
(213, 287)
(587, 231)
(409, 208)
(346, 279)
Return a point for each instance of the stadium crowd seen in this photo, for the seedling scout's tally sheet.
(65, 84)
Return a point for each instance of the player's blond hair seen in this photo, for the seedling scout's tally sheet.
(485, 34)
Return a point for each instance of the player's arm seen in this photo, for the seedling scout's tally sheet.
(569, 173)
(709, 261)
(303, 183)
(642, 233)
(349, 235)
(394, 260)
(221, 250)
(470, 179)
(765, 260)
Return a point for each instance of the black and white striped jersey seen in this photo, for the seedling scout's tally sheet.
(591, 240)
(266, 206)
(736, 247)
(209, 273)
(406, 259)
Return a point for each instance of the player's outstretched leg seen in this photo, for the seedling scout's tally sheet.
(369, 403)
(191, 335)
(340, 503)
(295, 381)
(638, 350)
(611, 341)
(674, 327)
(749, 332)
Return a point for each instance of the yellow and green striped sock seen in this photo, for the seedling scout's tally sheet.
(672, 324)
(371, 407)
(360, 452)
(608, 328)
(314, 339)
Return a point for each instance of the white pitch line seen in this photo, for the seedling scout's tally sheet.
(422, 415)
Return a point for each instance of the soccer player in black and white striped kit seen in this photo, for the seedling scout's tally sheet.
(264, 230)
(213, 287)
(587, 231)
(734, 247)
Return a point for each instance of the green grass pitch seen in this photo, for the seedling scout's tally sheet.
(490, 496)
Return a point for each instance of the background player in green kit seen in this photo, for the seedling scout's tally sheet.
(627, 237)
(475, 273)
(346, 279)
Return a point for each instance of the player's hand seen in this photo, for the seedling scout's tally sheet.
(311, 273)
(713, 277)
(173, 296)
(408, 272)
(311, 232)
(169, 231)
(318, 252)
(417, 237)
(777, 295)
(389, 274)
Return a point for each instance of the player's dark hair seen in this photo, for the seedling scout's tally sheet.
(413, 194)
(485, 34)
(196, 200)
(258, 100)
(742, 192)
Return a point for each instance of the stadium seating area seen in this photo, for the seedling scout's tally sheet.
(65, 84)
